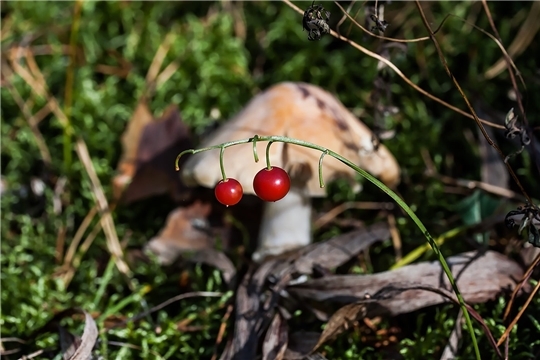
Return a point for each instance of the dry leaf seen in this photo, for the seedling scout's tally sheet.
(480, 277)
(341, 320)
(185, 229)
(150, 148)
(88, 339)
(275, 342)
(130, 143)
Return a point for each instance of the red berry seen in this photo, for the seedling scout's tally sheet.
(228, 192)
(271, 185)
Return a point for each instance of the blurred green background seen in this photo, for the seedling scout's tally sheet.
(227, 52)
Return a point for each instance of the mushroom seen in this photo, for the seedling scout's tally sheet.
(304, 112)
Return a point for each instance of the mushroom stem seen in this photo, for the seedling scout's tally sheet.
(286, 224)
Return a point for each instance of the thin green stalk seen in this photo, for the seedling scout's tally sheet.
(105, 279)
(373, 180)
(268, 165)
(221, 163)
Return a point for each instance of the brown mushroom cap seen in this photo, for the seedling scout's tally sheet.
(301, 111)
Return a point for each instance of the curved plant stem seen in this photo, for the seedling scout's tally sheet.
(268, 166)
(321, 180)
(222, 167)
(255, 155)
(373, 180)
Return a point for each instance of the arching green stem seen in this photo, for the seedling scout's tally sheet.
(221, 163)
(255, 155)
(366, 175)
(268, 166)
(321, 180)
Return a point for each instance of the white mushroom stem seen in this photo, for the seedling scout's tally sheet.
(286, 224)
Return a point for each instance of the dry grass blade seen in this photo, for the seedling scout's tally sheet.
(520, 285)
(524, 37)
(157, 61)
(379, 36)
(88, 339)
(357, 205)
(400, 73)
(222, 329)
(68, 258)
(520, 313)
(39, 86)
(107, 223)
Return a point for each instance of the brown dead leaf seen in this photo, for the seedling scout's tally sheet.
(150, 147)
(275, 342)
(130, 143)
(331, 253)
(480, 277)
(341, 321)
(184, 230)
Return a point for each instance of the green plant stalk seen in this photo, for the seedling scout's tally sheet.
(105, 279)
(221, 166)
(268, 165)
(374, 181)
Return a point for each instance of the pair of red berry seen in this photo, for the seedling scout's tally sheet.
(269, 185)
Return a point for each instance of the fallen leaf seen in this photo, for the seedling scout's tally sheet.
(130, 143)
(480, 277)
(185, 229)
(331, 253)
(341, 320)
(88, 339)
(68, 343)
(275, 342)
(150, 148)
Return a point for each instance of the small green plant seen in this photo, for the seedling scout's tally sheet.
(365, 174)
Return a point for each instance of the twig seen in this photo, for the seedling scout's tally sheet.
(509, 64)
(221, 331)
(168, 302)
(518, 316)
(399, 73)
(469, 184)
(328, 216)
(396, 239)
(467, 102)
